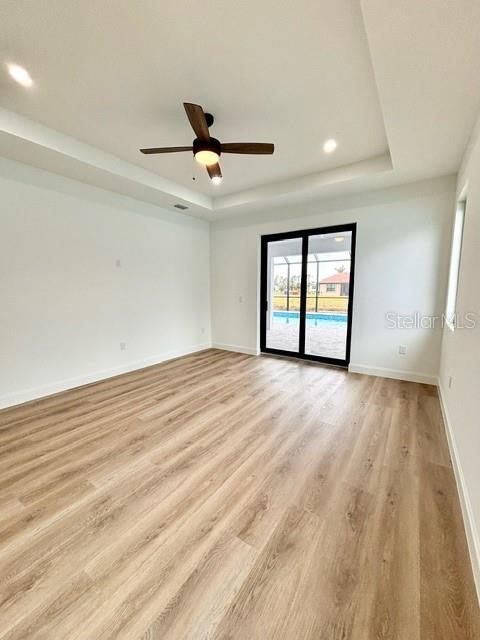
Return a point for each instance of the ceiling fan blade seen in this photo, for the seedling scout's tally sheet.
(166, 149)
(258, 148)
(214, 171)
(198, 121)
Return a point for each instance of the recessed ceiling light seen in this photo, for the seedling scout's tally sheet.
(339, 239)
(217, 180)
(20, 75)
(330, 145)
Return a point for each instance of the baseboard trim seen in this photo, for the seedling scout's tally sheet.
(43, 391)
(473, 539)
(397, 374)
(236, 348)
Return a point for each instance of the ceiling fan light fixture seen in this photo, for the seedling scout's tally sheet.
(206, 157)
(207, 152)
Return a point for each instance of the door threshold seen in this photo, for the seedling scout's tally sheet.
(284, 356)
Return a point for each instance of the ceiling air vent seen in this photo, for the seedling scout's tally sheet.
(182, 207)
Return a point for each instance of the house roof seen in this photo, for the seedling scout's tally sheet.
(337, 278)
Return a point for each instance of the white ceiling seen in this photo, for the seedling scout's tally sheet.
(426, 56)
(396, 83)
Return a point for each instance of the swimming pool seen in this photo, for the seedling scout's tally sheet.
(313, 319)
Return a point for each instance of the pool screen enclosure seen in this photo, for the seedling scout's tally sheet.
(306, 293)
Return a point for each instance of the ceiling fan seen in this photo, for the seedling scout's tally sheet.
(207, 150)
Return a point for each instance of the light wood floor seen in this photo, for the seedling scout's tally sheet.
(227, 496)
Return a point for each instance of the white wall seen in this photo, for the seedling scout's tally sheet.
(403, 240)
(65, 305)
(461, 359)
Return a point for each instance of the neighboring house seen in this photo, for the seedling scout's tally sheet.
(336, 285)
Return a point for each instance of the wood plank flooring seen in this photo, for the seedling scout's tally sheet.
(222, 496)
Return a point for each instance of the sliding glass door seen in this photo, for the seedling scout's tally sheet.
(306, 293)
(284, 262)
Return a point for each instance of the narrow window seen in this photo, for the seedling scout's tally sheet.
(455, 256)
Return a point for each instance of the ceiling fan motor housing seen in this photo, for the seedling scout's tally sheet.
(207, 145)
(210, 119)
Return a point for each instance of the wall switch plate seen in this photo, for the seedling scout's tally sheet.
(402, 349)
(450, 382)
(118, 263)
(240, 298)
(123, 346)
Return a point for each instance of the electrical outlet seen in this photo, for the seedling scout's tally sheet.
(123, 346)
(450, 382)
(402, 349)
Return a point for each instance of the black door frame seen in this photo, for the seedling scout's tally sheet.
(304, 235)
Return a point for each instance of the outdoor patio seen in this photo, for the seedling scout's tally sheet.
(326, 340)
